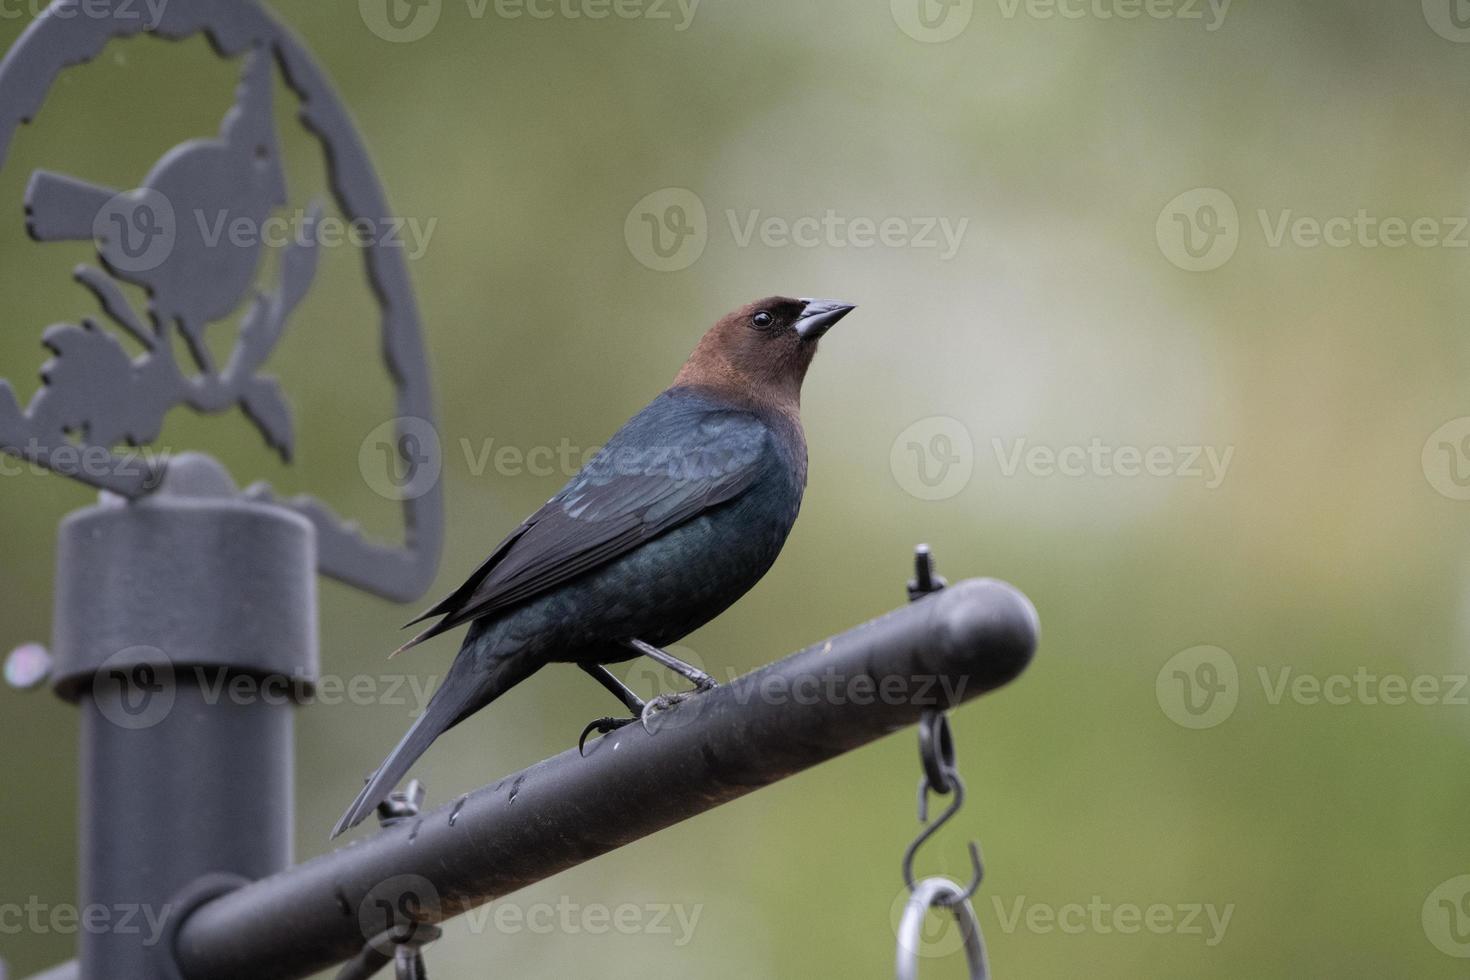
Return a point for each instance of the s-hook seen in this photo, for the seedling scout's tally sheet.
(941, 776)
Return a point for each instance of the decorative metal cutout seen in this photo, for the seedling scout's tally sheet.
(96, 396)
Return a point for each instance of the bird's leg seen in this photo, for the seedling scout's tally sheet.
(697, 677)
(702, 682)
(620, 691)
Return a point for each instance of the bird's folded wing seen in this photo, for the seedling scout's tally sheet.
(669, 464)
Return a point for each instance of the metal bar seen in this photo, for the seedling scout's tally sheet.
(788, 716)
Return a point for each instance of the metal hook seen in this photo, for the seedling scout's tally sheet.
(936, 754)
(401, 945)
(936, 751)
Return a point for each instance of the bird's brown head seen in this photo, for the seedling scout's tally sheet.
(759, 354)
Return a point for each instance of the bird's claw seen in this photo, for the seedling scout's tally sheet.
(601, 726)
(666, 701)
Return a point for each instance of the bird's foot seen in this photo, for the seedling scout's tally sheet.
(665, 702)
(601, 726)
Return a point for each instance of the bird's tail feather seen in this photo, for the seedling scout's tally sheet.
(456, 698)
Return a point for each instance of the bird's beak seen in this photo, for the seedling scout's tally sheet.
(819, 317)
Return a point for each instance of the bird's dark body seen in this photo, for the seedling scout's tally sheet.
(676, 582)
(683, 510)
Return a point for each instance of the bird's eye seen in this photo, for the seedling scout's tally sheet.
(763, 319)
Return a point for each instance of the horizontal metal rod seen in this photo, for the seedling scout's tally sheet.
(834, 696)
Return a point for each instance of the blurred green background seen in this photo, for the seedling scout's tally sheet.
(1333, 545)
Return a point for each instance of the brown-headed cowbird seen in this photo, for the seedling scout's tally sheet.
(683, 510)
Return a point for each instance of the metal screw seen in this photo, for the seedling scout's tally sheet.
(403, 804)
(924, 580)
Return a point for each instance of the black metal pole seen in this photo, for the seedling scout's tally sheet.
(185, 627)
(832, 697)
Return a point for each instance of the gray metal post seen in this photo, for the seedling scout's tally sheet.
(185, 629)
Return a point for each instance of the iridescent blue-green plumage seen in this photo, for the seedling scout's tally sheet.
(683, 510)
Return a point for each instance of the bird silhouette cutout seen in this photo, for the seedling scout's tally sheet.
(173, 237)
(117, 370)
(191, 234)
